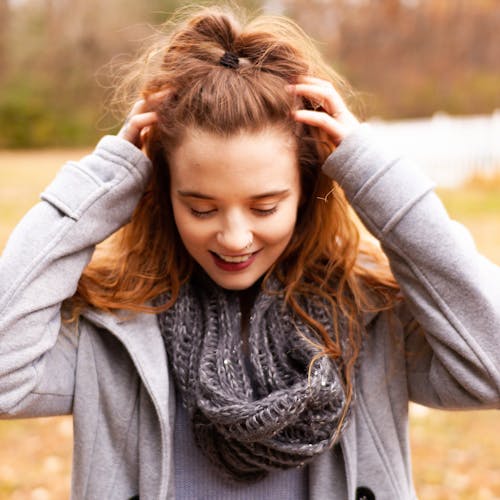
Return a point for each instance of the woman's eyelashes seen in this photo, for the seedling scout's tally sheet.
(265, 211)
(202, 213)
(262, 212)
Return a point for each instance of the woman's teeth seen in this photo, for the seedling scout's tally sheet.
(235, 260)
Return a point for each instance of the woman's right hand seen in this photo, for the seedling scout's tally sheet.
(137, 123)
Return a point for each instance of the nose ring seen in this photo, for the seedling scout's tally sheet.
(249, 244)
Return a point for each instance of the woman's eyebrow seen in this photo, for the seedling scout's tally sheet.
(194, 194)
(270, 194)
(260, 196)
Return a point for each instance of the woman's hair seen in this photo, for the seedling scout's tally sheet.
(323, 260)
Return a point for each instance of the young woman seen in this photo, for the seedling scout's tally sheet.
(235, 337)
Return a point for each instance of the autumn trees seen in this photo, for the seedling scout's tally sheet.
(407, 57)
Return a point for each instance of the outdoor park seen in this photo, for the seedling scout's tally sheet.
(408, 60)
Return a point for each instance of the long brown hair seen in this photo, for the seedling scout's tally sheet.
(323, 261)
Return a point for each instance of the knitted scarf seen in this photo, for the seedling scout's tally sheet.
(253, 407)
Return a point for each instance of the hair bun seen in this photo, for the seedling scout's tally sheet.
(217, 27)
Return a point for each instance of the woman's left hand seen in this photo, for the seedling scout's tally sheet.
(332, 116)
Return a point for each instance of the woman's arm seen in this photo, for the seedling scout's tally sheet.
(451, 290)
(40, 268)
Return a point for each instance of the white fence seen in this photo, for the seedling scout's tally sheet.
(449, 149)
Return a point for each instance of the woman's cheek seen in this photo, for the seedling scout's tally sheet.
(195, 230)
(281, 227)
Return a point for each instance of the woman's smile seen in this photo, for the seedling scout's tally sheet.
(234, 263)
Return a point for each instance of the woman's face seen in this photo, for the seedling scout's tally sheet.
(235, 201)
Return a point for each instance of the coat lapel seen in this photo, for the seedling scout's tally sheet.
(140, 335)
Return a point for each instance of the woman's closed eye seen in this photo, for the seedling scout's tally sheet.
(265, 211)
(203, 213)
(262, 212)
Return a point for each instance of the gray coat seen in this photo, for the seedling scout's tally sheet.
(110, 371)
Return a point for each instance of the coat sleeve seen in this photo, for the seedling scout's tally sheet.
(452, 340)
(40, 268)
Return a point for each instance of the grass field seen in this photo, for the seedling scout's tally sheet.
(456, 456)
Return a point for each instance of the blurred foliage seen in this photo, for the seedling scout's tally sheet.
(408, 58)
(53, 80)
(37, 115)
(411, 58)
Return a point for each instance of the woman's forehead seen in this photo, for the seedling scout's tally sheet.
(263, 161)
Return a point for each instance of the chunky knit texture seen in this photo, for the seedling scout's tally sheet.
(257, 412)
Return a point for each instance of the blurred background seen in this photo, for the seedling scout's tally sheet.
(428, 76)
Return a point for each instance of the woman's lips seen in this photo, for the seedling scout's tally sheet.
(233, 262)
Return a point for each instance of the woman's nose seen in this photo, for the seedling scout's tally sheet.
(235, 237)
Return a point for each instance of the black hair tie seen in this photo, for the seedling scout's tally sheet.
(230, 60)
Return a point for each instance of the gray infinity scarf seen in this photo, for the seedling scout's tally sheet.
(255, 412)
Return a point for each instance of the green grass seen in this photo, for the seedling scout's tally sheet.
(474, 200)
(477, 206)
(456, 456)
